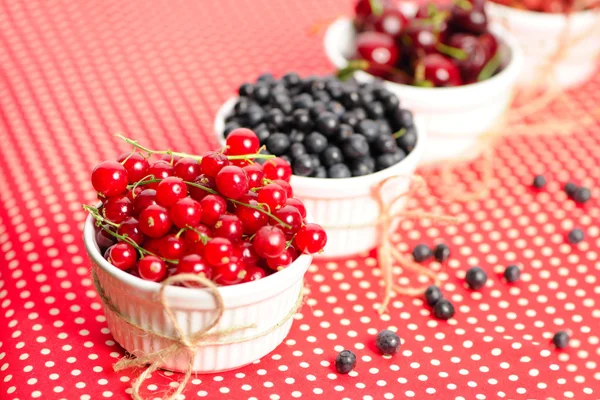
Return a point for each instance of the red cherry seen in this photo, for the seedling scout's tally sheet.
(218, 251)
(471, 19)
(213, 207)
(423, 37)
(254, 273)
(229, 273)
(131, 228)
(255, 175)
(186, 212)
(378, 49)
(194, 239)
(154, 221)
(286, 186)
(172, 247)
(121, 255)
(170, 190)
(441, 71)
(117, 208)
(245, 252)
(159, 170)
(193, 264)
(269, 241)
(104, 239)
(187, 169)
(391, 22)
(478, 52)
(152, 268)
(310, 239)
(228, 226)
(364, 8)
(298, 204)
(251, 219)
(277, 168)
(242, 141)
(232, 182)
(205, 181)
(289, 215)
(109, 178)
(136, 166)
(143, 200)
(283, 260)
(133, 193)
(212, 163)
(273, 196)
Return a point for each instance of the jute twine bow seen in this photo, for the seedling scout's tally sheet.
(182, 342)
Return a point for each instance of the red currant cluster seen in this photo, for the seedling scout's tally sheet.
(221, 214)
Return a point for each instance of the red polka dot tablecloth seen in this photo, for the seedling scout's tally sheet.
(77, 72)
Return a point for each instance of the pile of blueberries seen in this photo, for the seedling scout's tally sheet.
(325, 127)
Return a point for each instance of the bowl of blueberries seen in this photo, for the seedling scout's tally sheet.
(445, 63)
(342, 139)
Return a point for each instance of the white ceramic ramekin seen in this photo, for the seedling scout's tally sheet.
(340, 204)
(540, 35)
(454, 117)
(264, 303)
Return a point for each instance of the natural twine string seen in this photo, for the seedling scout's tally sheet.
(182, 342)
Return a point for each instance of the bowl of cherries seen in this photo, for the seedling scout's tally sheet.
(560, 38)
(339, 141)
(218, 216)
(445, 63)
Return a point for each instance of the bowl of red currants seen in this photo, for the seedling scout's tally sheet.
(339, 141)
(164, 214)
(560, 38)
(445, 63)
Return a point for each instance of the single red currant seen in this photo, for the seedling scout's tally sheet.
(218, 251)
(109, 178)
(283, 260)
(159, 170)
(152, 268)
(242, 141)
(152, 245)
(290, 216)
(104, 239)
(133, 193)
(228, 226)
(232, 182)
(311, 238)
(245, 252)
(254, 273)
(204, 181)
(131, 228)
(121, 255)
(285, 186)
(170, 158)
(154, 221)
(212, 163)
(170, 190)
(172, 247)
(117, 208)
(144, 200)
(269, 241)
(255, 175)
(251, 218)
(298, 204)
(187, 169)
(229, 273)
(193, 264)
(136, 166)
(277, 168)
(213, 207)
(186, 212)
(273, 196)
(196, 238)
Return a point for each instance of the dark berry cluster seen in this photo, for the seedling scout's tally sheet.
(220, 215)
(440, 46)
(325, 127)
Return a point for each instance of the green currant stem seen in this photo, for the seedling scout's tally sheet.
(400, 133)
(453, 52)
(178, 234)
(203, 236)
(141, 182)
(99, 218)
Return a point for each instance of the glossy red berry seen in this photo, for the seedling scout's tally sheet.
(245, 252)
(378, 49)
(441, 71)
(391, 22)
(152, 245)
(194, 264)
(228, 226)
(283, 260)
(170, 158)
(136, 166)
(213, 207)
(203, 181)
(186, 212)
(104, 239)
(298, 204)
(218, 251)
(152, 268)
(109, 178)
(229, 273)
(255, 175)
(146, 198)
(196, 238)
(121, 255)
(269, 241)
(154, 221)
(277, 168)
(232, 182)
(311, 239)
(117, 208)
(285, 186)
(273, 196)
(133, 193)
(187, 169)
(242, 141)
(170, 190)
(254, 273)
(159, 170)
(251, 219)
(172, 247)
(290, 216)
(131, 228)
(212, 163)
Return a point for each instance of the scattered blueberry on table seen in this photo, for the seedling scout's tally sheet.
(476, 278)
(512, 273)
(539, 181)
(387, 342)
(575, 236)
(441, 253)
(433, 294)
(443, 309)
(345, 361)
(561, 339)
(570, 189)
(582, 195)
(422, 252)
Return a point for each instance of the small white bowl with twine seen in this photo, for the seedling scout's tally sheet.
(455, 117)
(194, 330)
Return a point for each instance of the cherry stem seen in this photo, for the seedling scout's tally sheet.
(464, 4)
(376, 7)
(150, 152)
(490, 67)
(453, 52)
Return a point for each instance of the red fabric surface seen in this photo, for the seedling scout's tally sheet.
(75, 73)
